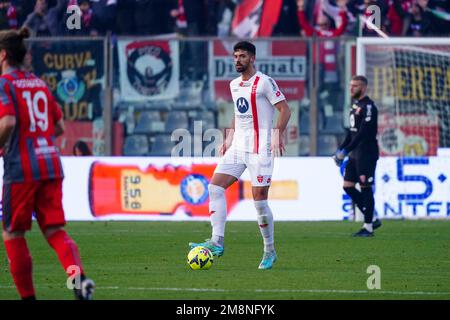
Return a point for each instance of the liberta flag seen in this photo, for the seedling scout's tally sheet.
(255, 18)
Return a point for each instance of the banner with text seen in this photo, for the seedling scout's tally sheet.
(174, 189)
(282, 60)
(74, 72)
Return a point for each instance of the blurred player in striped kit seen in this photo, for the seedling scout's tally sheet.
(30, 119)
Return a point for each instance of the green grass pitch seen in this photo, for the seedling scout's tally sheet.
(316, 260)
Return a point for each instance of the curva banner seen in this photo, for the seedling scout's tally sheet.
(74, 72)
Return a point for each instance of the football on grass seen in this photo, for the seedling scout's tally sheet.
(200, 258)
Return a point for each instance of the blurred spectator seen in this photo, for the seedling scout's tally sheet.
(152, 17)
(180, 18)
(89, 21)
(213, 16)
(81, 148)
(191, 22)
(194, 13)
(329, 87)
(37, 22)
(384, 23)
(55, 18)
(417, 22)
(125, 22)
(103, 13)
(288, 24)
(8, 15)
(224, 17)
(396, 15)
(437, 12)
(24, 8)
(324, 24)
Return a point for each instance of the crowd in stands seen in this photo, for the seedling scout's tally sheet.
(325, 18)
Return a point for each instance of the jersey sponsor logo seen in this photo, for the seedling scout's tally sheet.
(244, 116)
(244, 84)
(242, 105)
(278, 93)
(268, 180)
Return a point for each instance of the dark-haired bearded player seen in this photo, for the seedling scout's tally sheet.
(362, 147)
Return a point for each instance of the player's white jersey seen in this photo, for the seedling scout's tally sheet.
(254, 102)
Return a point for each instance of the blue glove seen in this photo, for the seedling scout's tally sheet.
(337, 161)
(341, 153)
(339, 156)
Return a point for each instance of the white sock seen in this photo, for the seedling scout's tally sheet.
(218, 213)
(368, 227)
(265, 222)
(374, 218)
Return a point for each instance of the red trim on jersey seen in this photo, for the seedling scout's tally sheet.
(255, 115)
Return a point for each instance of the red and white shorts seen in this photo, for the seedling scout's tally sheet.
(260, 166)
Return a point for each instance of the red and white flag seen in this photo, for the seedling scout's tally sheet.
(255, 18)
(247, 17)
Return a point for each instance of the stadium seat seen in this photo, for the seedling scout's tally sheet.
(304, 145)
(149, 122)
(135, 145)
(208, 120)
(176, 120)
(161, 145)
(304, 123)
(334, 124)
(326, 145)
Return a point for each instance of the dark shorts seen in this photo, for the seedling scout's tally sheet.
(21, 199)
(360, 171)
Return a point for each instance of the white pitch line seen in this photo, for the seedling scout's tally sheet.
(424, 293)
(279, 290)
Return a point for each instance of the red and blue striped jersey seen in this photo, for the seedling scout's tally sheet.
(30, 154)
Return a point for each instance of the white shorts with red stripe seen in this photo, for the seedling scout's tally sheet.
(260, 166)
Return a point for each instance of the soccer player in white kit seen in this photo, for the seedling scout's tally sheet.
(253, 146)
